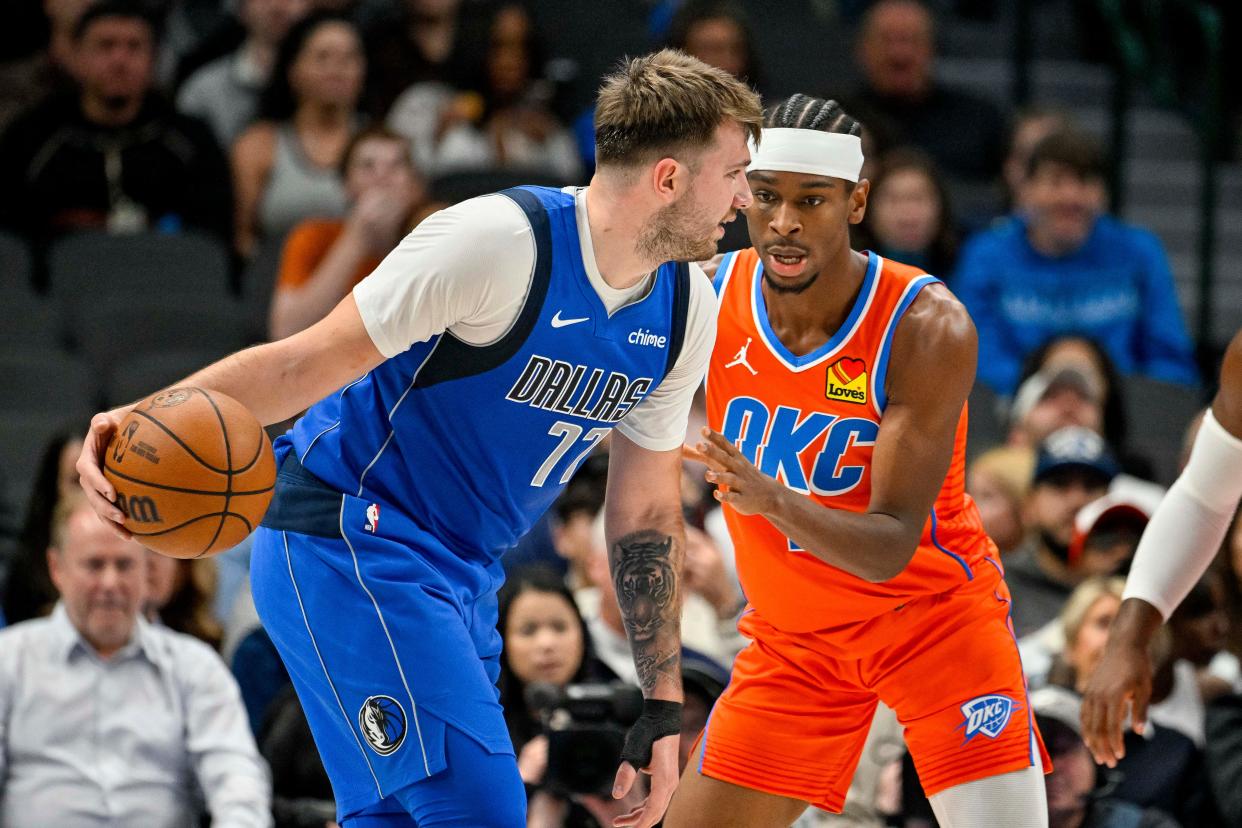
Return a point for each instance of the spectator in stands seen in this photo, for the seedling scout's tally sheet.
(573, 517)
(431, 41)
(901, 101)
(109, 719)
(37, 62)
(999, 480)
(908, 217)
(286, 167)
(324, 258)
(1030, 126)
(545, 640)
(1074, 798)
(1223, 756)
(1066, 267)
(1200, 631)
(1086, 357)
(179, 596)
(1106, 533)
(301, 791)
(111, 154)
(509, 124)
(717, 33)
(225, 92)
(1162, 768)
(1053, 398)
(29, 592)
(1074, 467)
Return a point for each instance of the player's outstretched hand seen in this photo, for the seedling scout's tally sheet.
(1120, 684)
(738, 482)
(99, 492)
(664, 777)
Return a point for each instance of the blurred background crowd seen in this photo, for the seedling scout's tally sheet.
(180, 178)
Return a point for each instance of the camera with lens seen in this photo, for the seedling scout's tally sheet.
(586, 726)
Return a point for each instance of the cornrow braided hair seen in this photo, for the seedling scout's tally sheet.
(804, 112)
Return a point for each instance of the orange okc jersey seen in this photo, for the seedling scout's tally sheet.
(811, 422)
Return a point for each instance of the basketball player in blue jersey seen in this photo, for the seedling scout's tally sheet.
(451, 396)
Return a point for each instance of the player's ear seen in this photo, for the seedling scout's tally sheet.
(668, 178)
(858, 201)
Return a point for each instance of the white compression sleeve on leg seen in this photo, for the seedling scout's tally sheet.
(1017, 799)
(1186, 531)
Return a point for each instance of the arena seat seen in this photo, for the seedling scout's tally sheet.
(46, 382)
(135, 378)
(16, 264)
(1157, 414)
(122, 328)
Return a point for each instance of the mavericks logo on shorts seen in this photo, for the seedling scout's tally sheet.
(987, 715)
(382, 722)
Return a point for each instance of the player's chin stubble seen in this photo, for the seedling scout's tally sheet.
(675, 235)
(789, 289)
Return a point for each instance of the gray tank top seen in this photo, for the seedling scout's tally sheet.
(297, 189)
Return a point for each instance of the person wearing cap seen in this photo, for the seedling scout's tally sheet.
(1106, 533)
(1074, 466)
(836, 441)
(1053, 398)
(1180, 542)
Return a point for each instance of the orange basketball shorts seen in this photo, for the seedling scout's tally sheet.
(799, 705)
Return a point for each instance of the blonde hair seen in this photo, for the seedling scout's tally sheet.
(1080, 602)
(666, 103)
(1010, 466)
(1083, 598)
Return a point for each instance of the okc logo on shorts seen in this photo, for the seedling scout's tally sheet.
(382, 722)
(987, 715)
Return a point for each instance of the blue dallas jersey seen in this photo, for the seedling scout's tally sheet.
(475, 443)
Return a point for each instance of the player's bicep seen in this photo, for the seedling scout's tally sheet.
(931, 373)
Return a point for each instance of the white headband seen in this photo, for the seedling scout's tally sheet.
(808, 151)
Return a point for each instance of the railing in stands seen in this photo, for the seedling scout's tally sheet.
(1145, 52)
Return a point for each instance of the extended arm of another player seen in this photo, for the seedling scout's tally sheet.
(930, 373)
(1176, 548)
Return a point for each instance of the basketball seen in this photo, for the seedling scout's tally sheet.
(193, 471)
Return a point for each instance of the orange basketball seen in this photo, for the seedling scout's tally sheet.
(193, 471)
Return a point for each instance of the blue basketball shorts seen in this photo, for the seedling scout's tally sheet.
(391, 644)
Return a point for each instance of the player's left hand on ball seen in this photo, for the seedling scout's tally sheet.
(738, 482)
(664, 778)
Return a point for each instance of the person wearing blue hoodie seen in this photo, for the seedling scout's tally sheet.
(1063, 266)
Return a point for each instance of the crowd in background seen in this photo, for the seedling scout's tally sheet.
(326, 130)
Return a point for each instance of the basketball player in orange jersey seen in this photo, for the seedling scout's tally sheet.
(836, 409)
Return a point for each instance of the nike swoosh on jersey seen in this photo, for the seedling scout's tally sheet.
(557, 322)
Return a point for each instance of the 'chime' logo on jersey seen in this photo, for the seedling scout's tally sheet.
(593, 393)
(847, 381)
(805, 451)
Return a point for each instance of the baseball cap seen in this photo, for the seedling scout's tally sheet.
(1042, 383)
(1129, 503)
(1075, 447)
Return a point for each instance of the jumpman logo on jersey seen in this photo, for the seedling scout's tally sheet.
(740, 358)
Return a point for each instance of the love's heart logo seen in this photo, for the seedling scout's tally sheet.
(848, 369)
